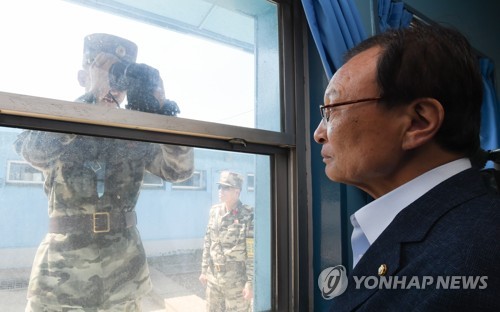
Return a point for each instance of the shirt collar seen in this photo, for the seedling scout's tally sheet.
(377, 215)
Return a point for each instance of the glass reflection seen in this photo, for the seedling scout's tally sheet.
(218, 60)
(101, 193)
(64, 179)
(92, 255)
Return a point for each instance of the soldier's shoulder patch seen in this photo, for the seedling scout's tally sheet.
(247, 208)
(215, 209)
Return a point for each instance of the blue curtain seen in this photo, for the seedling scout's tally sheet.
(393, 15)
(336, 27)
(490, 113)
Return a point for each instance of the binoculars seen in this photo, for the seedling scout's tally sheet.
(140, 81)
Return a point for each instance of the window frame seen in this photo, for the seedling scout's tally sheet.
(152, 185)
(250, 187)
(22, 162)
(202, 178)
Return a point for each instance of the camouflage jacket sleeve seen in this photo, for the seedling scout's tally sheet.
(41, 149)
(250, 244)
(170, 162)
(205, 260)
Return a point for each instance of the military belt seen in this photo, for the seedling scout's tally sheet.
(229, 266)
(98, 222)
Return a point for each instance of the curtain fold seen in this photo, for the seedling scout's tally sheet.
(393, 15)
(490, 111)
(335, 27)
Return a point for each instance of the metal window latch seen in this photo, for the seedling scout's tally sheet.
(238, 141)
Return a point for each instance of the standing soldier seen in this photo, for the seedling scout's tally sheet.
(227, 264)
(92, 258)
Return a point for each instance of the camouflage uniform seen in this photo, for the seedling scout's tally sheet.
(228, 260)
(85, 175)
(93, 259)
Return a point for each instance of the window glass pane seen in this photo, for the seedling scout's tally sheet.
(197, 181)
(218, 60)
(81, 234)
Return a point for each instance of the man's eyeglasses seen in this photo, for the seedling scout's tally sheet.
(224, 187)
(325, 115)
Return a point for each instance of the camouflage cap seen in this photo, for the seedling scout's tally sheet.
(122, 48)
(231, 179)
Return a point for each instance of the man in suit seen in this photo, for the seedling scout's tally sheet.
(401, 121)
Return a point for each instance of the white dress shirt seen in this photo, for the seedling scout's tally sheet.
(371, 220)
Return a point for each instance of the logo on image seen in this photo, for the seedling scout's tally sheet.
(332, 282)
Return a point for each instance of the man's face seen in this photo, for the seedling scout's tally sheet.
(228, 195)
(98, 81)
(360, 142)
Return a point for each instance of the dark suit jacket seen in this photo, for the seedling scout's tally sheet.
(453, 230)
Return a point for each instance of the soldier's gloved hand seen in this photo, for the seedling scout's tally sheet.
(146, 92)
(150, 104)
(169, 108)
(142, 89)
(141, 101)
(95, 78)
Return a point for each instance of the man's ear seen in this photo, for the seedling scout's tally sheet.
(426, 117)
(83, 78)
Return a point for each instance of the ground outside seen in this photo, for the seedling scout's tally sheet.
(176, 287)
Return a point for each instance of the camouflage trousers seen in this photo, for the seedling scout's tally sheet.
(128, 306)
(225, 292)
